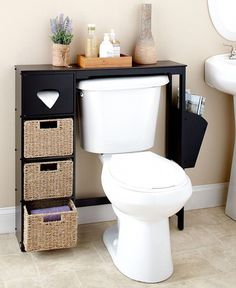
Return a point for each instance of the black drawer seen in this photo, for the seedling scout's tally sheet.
(36, 86)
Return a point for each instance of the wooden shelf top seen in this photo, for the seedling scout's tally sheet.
(76, 68)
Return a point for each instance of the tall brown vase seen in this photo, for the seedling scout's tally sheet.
(60, 55)
(145, 49)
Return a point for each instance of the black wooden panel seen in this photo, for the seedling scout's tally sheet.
(34, 82)
(194, 127)
(186, 141)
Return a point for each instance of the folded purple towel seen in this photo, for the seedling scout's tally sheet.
(51, 211)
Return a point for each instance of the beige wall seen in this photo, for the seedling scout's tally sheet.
(183, 33)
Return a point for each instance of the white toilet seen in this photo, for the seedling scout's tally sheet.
(118, 121)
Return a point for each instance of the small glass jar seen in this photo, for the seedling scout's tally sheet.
(91, 47)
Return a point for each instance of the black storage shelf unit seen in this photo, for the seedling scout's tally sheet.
(184, 131)
(30, 108)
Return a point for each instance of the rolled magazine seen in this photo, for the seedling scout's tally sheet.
(194, 103)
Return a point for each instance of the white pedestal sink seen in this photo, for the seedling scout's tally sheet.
(220, 73)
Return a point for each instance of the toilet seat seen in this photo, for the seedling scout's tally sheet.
(145, 172)
(127, 192)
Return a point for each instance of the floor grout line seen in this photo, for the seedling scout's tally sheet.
(200, 240)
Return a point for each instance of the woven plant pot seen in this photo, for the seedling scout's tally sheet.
(60, 55)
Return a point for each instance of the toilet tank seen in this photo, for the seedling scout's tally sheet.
(118, 115)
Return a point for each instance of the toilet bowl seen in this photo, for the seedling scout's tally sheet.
(144, 189)
(118, 121)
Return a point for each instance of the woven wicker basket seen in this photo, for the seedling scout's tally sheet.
(43, 138)
(45, 180)
(40, 235)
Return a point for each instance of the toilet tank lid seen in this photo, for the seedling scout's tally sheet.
(145, 171)
(122, 83)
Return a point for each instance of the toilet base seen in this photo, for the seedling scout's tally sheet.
(140, 249)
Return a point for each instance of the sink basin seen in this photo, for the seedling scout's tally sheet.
(220, 73)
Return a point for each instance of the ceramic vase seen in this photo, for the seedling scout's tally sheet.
(60, 55)
(145, 49)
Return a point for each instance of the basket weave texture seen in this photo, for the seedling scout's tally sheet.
(41, 142)
(48, 184)
(60, 55)
(40, 235)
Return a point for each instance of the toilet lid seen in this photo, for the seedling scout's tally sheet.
(145, 171)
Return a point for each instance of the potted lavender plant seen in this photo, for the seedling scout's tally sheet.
(61, 36)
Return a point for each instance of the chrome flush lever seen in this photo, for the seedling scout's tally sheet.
(233, 51)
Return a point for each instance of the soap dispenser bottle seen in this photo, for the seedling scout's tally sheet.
(115, 43)
(106, 47)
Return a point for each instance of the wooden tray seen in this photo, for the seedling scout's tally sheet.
(87, 62)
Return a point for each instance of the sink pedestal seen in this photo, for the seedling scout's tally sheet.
(230, 208)
(220, 73)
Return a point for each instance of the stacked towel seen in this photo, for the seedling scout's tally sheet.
(52, 212)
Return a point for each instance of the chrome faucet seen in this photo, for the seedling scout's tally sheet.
(232, 55)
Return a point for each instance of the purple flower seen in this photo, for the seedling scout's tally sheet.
(61, 30)
(53, 26)
(61, 22)
(68, 25)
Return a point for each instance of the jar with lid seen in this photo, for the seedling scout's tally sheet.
(91, 47)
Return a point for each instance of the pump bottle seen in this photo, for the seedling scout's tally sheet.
(115, 43)
(106, 47)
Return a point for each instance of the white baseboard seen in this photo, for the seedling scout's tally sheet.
(7, 220)
(204, 196)
(93, 214)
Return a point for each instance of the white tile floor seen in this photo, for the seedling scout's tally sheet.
(204, 256)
